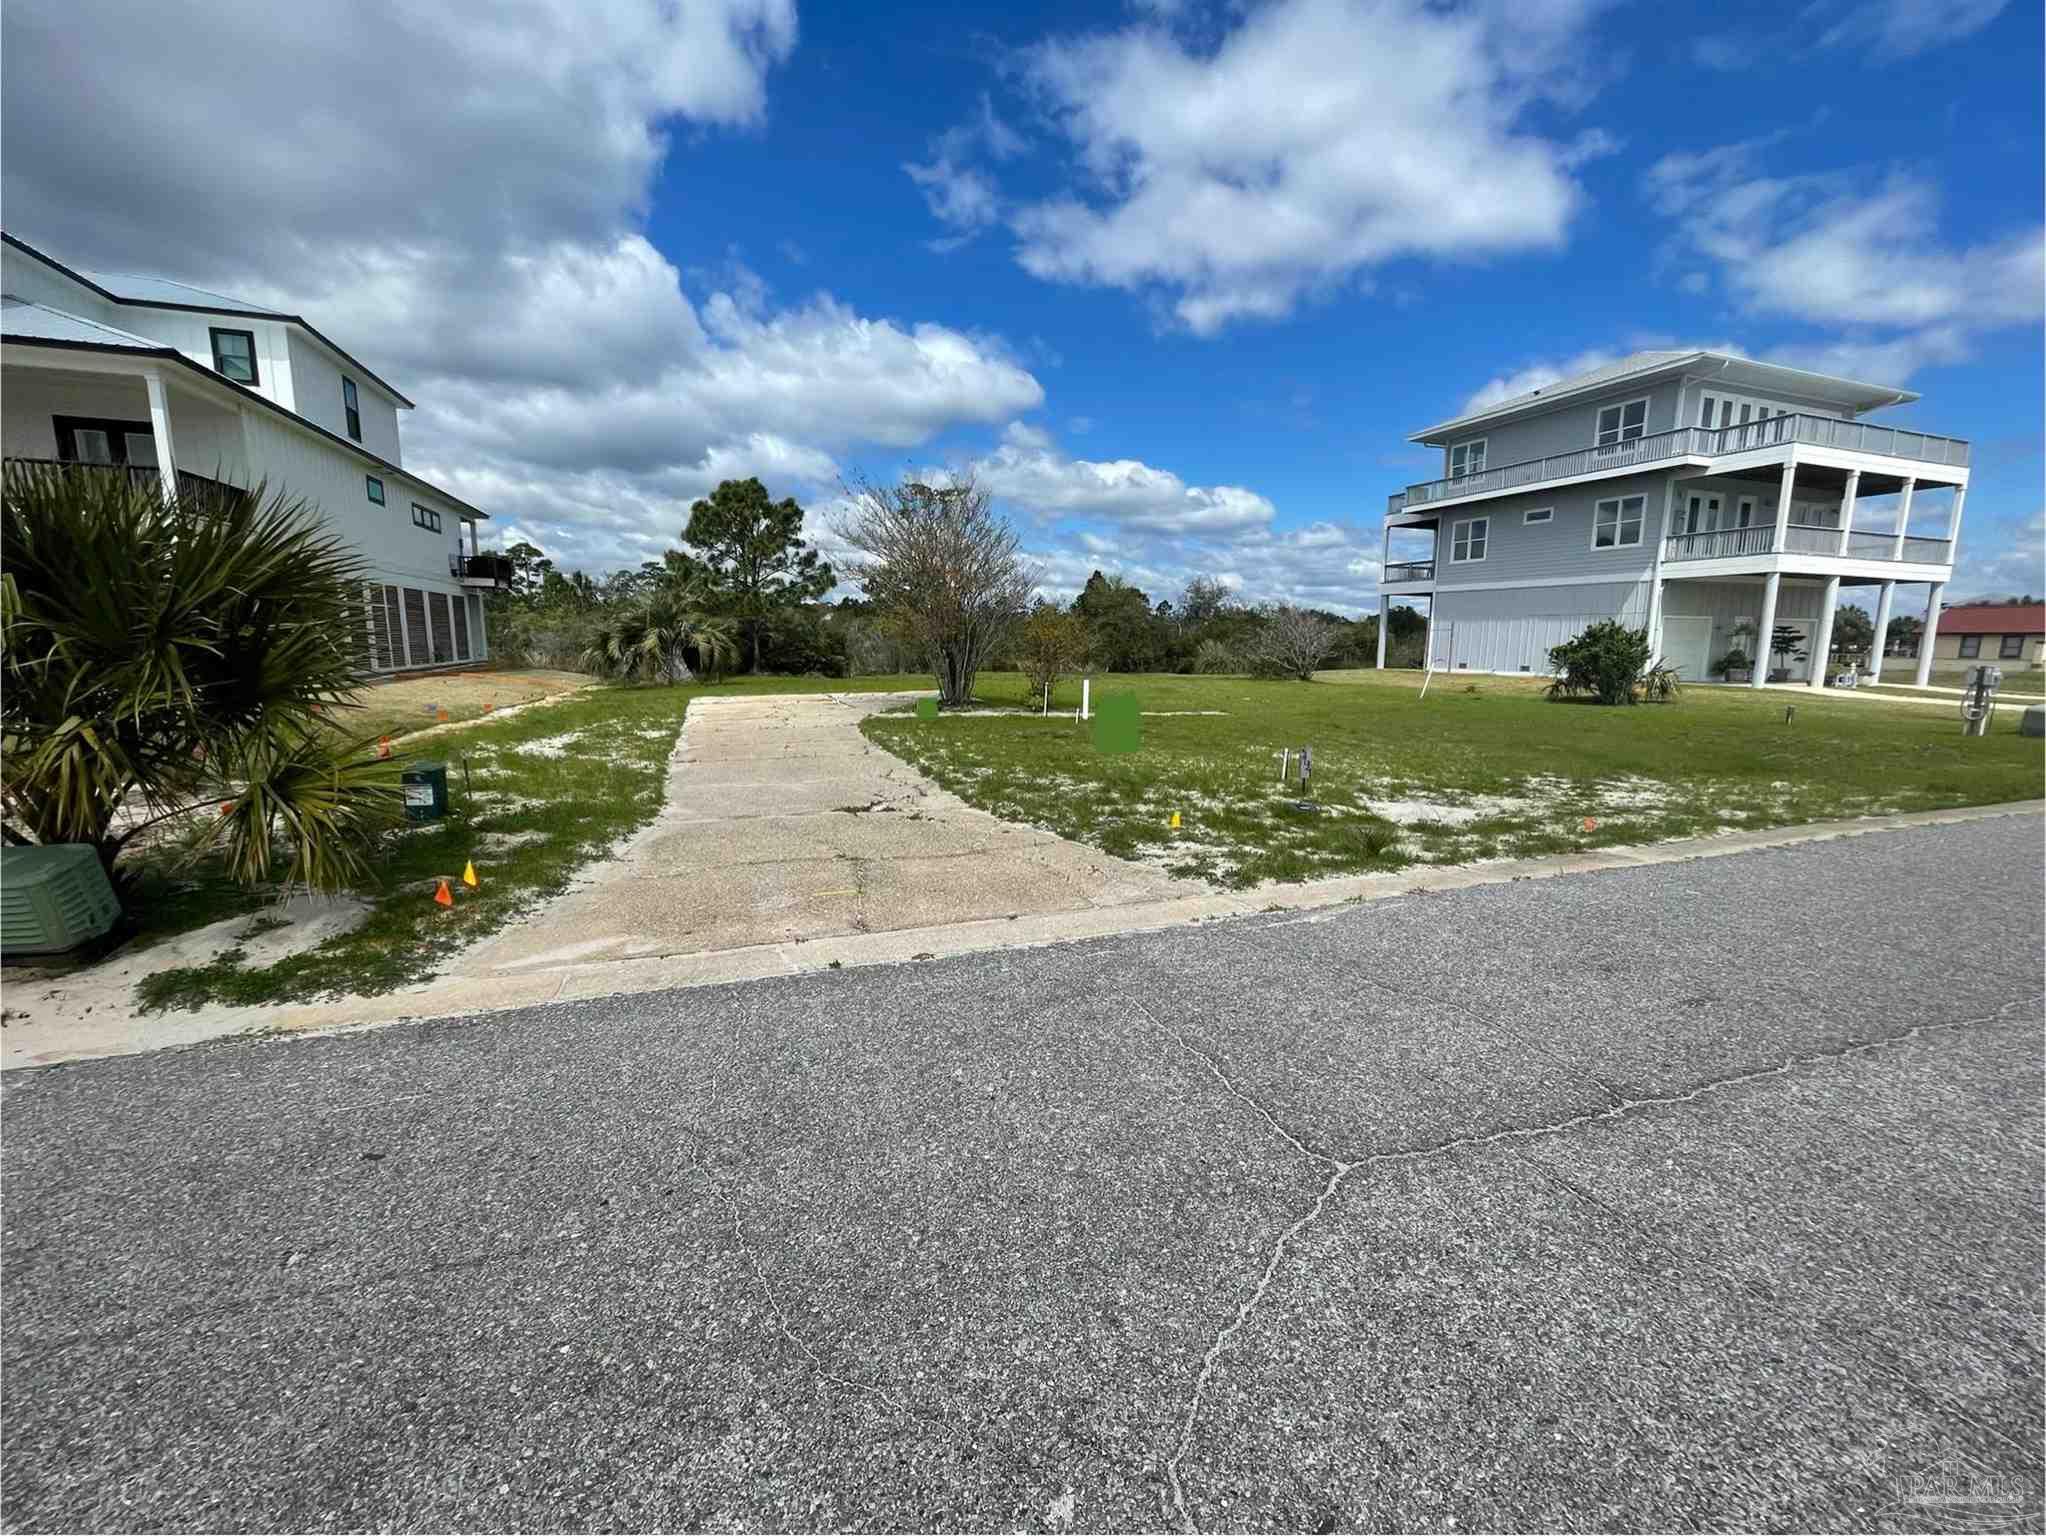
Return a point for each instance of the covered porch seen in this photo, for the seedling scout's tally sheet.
(1784, 626)
(122, 415)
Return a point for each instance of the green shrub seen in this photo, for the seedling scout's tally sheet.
(181, 655)
(1604, 663)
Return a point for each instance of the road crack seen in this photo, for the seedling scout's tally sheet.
(1340, 1169)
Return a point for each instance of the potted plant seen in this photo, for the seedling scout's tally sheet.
(1737, 664)
(1787, 642)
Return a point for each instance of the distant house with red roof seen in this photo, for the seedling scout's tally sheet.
(2010, 635)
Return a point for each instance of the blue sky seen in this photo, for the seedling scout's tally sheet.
(1176, 280)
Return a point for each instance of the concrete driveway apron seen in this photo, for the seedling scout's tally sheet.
(782, 824)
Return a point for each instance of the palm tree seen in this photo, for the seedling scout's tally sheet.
(178, 655)
(656, 637)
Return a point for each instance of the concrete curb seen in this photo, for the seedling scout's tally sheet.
(464, 996)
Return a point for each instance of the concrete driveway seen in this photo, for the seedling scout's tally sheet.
(1693, 1196)
(783, 824)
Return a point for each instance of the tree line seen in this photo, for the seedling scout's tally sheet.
(745, 592)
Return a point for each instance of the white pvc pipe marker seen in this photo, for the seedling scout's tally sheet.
(1086, 687)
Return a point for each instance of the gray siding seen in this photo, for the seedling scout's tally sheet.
(1727, 603)
(1574, 424)
(1517, 552)
(1569, 427)
(1512, 630)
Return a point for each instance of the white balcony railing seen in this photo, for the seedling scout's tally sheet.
(1803, 539)
(1687, 443)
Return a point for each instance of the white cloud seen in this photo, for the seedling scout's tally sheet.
(956, 192)
(1538, 375)
(472, 232)
(1900, 29)
(2010, 561)
(1314, 141)
(1854, 251)
(1028, 469)
(1884, 31)
(1147, 524)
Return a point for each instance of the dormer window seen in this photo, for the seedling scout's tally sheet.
(234, 355)
(1467, 459)
(1622, 423)
(354, 410)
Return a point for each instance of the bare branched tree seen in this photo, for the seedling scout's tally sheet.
(1292, 642)
(943, 562)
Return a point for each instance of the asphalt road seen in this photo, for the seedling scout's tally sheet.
(1694, 1196)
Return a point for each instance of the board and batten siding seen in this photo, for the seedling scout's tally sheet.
(316, 386)
(1728, 603)
(395, 551)
(1511, 630)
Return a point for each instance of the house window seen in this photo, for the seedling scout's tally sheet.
(425, 517)
(1467, 459)
(353, 408)
(375, 488)
(1535, 515)
(1617, 522)
(1468, 540)
(1971, 647)
(96, 440)
(234, 354)
(2010, 648)
(1622, 423)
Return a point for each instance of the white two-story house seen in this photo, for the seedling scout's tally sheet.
(141, 376)
(1718, 502)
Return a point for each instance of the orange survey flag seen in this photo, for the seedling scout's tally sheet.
(443, 895)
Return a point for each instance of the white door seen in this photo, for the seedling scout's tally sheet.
(1687, 645)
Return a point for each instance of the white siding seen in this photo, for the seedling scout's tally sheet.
(316, 377)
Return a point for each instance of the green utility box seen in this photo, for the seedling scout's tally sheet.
(53, 898)
(426, 791)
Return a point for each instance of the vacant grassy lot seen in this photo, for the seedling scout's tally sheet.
(1481, 768)
(533, 798)
(409, 704)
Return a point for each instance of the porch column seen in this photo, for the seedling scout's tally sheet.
(1903, 519)
(1882, 631)
(475, 546)
(1783, 502)
(1384, 623)
(1822, 643)
(1933, 593)
(1428, 639)
(1847, 500)
(160, 429)
(1655, 587)
(1954, 523)
(1771, 584)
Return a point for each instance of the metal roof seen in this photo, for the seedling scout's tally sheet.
(1643, 364)
(21, 317)
(162, 293)
(37, 325)
(137, 288)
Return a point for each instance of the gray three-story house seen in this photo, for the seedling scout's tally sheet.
(1720, 502)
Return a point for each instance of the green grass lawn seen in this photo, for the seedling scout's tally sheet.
(1484, 767)
(2030, 683)
(535, 797)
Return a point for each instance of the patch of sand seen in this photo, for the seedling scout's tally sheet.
(49, 996)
